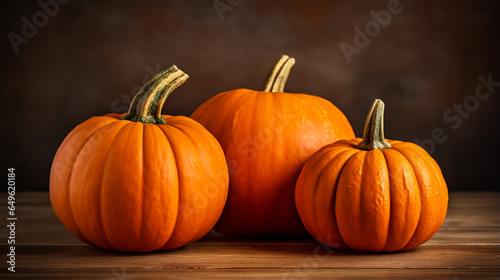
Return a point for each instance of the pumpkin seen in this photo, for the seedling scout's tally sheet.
(142, 181)
(267, 137)
(372, 194)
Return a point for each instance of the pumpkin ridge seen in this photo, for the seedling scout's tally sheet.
(226, 101)
(200, 134)
(193, 143)
(364, 166)
(232, 120)
(330, 161)
(176, 157)
(429, 163)
(71, 187)
(168, 195)
(420, 195)
(376, 191)
(419, 150)
(389, 199)
(275, 98)
(394, 148)
(235, 113)
(336, 190)
(333, 160)
(185, 128)
(73, 165)
(254, 118)
(344, 143)
(143, 181)
(434, 168)
(71, 175)
(101, 188)
(318, 179)
(344, 188)
(226, 98)
(234, 110)
(162, 128)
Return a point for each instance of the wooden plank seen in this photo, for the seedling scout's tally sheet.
(47, 234)
(467, 246)
(473, 210)
(258, 256)
(29, 198)
(465, 236)
(286, 274)
(445, 236)
(474, 200)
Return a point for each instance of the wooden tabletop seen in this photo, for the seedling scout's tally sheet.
(466, 247)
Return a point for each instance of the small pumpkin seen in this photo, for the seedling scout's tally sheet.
(267, 137)
(141, 181)
(371, 194)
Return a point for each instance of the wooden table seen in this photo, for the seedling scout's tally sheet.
(467, 246)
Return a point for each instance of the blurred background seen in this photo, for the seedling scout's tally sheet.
(434, 63)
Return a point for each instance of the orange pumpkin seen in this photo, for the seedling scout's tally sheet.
(371, 194)
(140, 182)
(267, 137)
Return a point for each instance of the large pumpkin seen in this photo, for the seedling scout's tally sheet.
(371, 194)
(140, 182)
(267, 137)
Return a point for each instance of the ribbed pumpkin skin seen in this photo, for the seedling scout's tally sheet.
(267, 137)
(374, 201)
(135, 187)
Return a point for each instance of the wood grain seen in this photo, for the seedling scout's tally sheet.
(467, 246)
(284, 274)
(258, 256)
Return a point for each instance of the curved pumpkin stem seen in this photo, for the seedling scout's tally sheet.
(373, 134)
(276, 79)
(148, 102)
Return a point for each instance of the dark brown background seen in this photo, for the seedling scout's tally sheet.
(93, 55)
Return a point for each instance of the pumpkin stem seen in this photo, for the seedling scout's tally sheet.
(276, 79)
(148, 102)
(373, 135)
